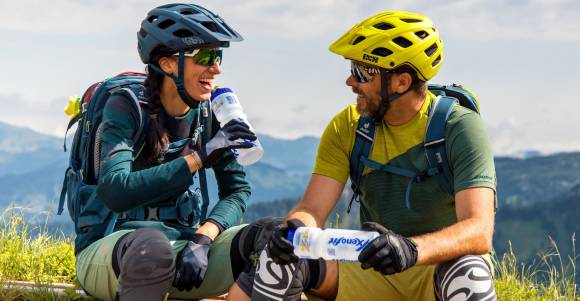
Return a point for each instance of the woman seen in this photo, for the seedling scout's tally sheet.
(161, 242)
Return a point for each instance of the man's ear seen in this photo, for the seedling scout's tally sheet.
(402, 82)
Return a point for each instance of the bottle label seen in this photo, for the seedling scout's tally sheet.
(359, 244)
(304, 242)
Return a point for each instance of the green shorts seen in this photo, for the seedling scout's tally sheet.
(96, 275)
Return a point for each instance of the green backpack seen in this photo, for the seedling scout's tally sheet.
(437, 162)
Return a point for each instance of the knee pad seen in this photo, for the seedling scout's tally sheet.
(146, 264)
(465, 278)
(249, 241)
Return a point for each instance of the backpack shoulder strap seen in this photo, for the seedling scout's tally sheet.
(206, 123)
(435, 141)
(363, 142)
(136, 94)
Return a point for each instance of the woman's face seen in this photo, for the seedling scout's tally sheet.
(198, 74)
(199, 78)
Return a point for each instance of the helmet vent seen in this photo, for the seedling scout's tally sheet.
(408, 20)
(188, 12)
(436, 61)
(183, 33)
(358, 40)
(422, 34)
(211, 26)
(429, 51)
(166, 23)
(383, 26)
(142, 33)
(152, 19)
(381, 51)
(402, 42)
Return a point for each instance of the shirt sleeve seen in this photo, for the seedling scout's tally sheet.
(469, 151)
(333, 155)
(120, 188)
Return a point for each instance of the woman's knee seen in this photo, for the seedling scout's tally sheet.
(144, 256)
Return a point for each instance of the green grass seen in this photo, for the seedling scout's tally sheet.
(46, 259)
(42, 259)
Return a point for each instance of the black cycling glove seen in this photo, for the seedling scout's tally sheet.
(389, 253)
(280, 248)
(192, 263)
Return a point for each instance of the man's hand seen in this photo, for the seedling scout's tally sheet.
(281, 249)
(192, 262)
(389, 253)
(225, 140)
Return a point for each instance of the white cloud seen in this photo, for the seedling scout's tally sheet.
(289, 83)
(45, 117)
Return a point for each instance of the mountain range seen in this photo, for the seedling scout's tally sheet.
(538, 195)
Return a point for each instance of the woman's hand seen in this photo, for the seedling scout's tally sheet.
(223, 141)
(192, 261)
(235, 134)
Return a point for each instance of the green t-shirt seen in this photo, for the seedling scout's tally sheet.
(383, 194)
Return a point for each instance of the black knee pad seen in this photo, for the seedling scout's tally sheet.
(146, 264)
(249, 241)
(466, 278)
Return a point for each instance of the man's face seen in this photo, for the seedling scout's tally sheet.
(368, 94)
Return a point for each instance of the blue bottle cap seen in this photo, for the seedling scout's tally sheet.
(217, 92)
(291, 235)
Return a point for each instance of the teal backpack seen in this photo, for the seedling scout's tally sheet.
(437, 162)
(90, 216)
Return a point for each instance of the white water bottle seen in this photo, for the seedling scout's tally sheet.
(329, 244)
(226, 106)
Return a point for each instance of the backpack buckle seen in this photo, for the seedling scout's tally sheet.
(151, 213)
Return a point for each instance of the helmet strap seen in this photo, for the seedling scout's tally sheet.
(179, 83)
(386, 98)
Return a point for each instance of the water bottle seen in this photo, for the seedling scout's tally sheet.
(226, 106)
(329, 244)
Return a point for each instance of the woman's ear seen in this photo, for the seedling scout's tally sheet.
(168, 65)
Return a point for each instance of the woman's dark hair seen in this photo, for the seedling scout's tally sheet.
(156, 139)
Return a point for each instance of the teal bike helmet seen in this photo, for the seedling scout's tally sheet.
(179, 28)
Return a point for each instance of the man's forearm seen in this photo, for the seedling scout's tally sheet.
(319, 199)
(469, 236)
(306, 217)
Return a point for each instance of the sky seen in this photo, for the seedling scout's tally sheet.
(522, 58)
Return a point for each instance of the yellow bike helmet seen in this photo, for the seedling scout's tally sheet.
(392, 39)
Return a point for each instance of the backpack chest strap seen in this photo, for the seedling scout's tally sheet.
(183, 211)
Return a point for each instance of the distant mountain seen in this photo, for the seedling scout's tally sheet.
(24, 150)
(529, 228)
(295, 155)
(32, 167)
(525, 182)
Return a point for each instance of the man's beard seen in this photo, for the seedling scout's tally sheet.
(365, 107)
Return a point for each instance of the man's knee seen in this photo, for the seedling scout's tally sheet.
(465, 278)
(249, 241)
(145, 258)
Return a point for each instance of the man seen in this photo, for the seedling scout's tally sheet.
(432, 244)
